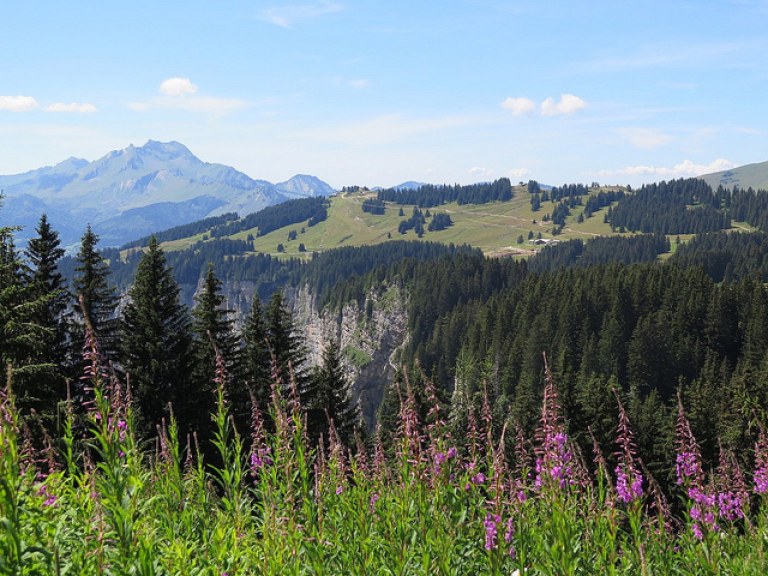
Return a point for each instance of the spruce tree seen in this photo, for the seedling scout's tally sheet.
(98, 296)
(156, 347)
(22, 338)
(333, 398)
(214, 331)
(47, 286)
(288, 349)
(258, 358)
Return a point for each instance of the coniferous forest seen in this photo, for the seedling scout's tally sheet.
(613, 400)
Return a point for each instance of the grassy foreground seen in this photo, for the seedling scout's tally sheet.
(433, 505)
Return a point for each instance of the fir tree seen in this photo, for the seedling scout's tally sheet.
(156, 347)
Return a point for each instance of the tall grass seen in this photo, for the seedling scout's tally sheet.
(433, 505)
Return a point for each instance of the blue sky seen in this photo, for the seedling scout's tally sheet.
(375, 93)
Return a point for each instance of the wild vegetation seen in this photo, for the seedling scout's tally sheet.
(125, 470)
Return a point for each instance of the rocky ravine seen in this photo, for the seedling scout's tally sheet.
(369, 336)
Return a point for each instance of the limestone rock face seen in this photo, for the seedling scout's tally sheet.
(370, 336)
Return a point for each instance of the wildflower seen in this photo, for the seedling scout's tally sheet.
(628, 488)
(374, 499)
(509, 536)
(554, 461)
(339, 489)
(688, 460)
(730, 486)
(491, 522)
(760, 477)
(629, 480)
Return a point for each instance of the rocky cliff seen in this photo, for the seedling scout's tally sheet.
(369, 334)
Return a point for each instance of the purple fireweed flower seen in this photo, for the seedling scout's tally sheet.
(452, 452)
(339, 489)
(687, 466)
(259, 459)
(374, 499)
(688, 460)
(629, 486)
(554, 458)
(761, 463)
(509, 536)
(478, 479)
(696, 529)
(491, 527)
(510, 533)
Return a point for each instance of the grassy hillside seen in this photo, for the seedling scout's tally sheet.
(750, 175)
(493, 227)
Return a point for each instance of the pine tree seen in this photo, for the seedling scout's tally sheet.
(156, 348)
(98, 296)
(214, 331)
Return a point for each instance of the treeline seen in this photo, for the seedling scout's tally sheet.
(600, 250)
(601, 200)
(313, 210)
(750, 206)
(184, 231)
(727, 256)
(374, 206)
(684, 206)
(429, 195)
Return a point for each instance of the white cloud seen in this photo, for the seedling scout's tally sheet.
(519, 106)
(181, 94)
(286, 16)
(177, 86)
(482, 172)
(568, 104)
(519, 173)
(83, 108)
(645, 138)
(18, 103)
(684, 169)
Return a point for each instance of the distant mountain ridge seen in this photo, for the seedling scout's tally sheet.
(748, 176)
(135, 191)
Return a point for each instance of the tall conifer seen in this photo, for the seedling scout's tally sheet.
(156, 347)
(91, 283)
(258, 358)
(214, 330)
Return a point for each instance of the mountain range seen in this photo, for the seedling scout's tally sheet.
(135, 191)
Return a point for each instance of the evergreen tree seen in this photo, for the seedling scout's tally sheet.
(47, 286)
(156, 348)
(98, 297)
(257, 363)
(333, 400)
(214, 331)
(288, 349)
(22, 338)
